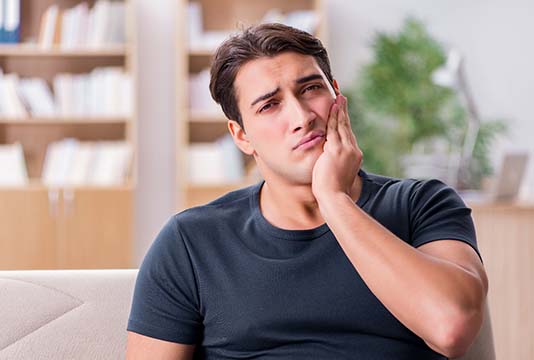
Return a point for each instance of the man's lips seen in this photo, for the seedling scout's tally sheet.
(310, 137)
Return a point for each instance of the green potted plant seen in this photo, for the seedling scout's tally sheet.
(405, 123)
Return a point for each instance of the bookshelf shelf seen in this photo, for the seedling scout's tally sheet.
(201, 52)
(214, 18)
(64, 121)
(207, 116)
(37, 185)
(35, 51)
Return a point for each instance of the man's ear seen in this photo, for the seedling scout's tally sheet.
(336, 87)
(240, 137)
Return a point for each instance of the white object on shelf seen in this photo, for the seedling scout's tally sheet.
(111, 163)
(13, 166)
(199, 93)
(37, 96)
(48, 29)
(102, 163)
(10, 102)
(215, 163)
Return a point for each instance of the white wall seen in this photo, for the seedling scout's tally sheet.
(493, 35)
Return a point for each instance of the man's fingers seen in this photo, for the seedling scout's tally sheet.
(344, 128)
(332, 134)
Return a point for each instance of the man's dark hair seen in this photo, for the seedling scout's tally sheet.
(264, 40)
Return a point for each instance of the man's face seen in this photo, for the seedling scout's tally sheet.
(283, 100)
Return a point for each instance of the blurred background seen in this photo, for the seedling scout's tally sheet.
(107, 127)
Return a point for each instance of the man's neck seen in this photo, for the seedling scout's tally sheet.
(294, 207)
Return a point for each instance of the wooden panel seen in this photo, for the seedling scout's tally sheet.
(96, 229)
(228, 14)
(49, 67)
(506, 240)
(27, 229)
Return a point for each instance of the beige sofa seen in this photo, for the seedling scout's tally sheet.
(82, 314)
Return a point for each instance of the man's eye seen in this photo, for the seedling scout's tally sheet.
(266, 107)
(313, 87)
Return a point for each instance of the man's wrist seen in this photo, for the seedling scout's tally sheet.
(329, 202)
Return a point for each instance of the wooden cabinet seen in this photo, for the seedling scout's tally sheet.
(86, 226)
(505, 234)
(27, 229)
(197, 125)
(80, 228)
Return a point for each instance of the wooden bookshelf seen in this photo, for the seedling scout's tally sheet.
(86, 226)
(32, 50)
(200, 126)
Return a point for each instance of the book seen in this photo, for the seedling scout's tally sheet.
(11, 105)
(58, 162)
(48, 27)
(111, 163)
(37, 97)
(215, 163)
(71, 162)
(13, 170)
(11, 12)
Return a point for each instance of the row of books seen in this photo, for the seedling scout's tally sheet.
(9, 21)
(202, 40)
(219, 162)
(70, 162)
(81, 26)
(199, 93)
(105, 91)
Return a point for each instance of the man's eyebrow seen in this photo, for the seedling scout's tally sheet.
(298, 81)
(265, 96)
(309, 78)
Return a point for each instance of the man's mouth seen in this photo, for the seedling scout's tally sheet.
(310, 140)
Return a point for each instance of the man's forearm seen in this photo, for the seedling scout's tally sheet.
(436, 299)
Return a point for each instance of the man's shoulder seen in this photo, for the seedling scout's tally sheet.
(230, 206)
(410, 189)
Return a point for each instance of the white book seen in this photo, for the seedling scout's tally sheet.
(195, 26)
(12, 106)
(111, 97)
(78, 94)
(66, 26)
(82, 162)
(58, 161)
(64, 93)
(112, 162)
(100, 24)
(12, 165)
(117, 32)
(48, 27)
(205, 163)
(232, 158)
(126, 92)
(38, 97)
(82, 19)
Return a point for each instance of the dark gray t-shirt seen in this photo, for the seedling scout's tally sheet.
(222, 277)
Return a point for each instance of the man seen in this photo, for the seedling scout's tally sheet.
(321, 260)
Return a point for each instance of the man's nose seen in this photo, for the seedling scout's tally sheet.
(301, 116)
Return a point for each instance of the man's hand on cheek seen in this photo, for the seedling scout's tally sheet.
(336, 168)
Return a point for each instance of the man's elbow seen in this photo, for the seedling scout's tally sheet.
(458, 334)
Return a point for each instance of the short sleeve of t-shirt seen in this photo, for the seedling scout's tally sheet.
(438, 213)
(166, 301)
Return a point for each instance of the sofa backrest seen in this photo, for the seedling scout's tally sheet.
(82, 314)
(64, 314)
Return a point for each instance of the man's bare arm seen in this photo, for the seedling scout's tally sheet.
(144, 347)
